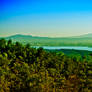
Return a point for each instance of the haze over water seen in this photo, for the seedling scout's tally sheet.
(65, 47)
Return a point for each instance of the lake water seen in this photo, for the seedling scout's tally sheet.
(64, 47)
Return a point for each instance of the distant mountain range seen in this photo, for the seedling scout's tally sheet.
(83, 40)
(86, 35)
(30, 36)
(23, 36)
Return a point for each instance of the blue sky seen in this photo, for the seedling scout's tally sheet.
(52, 18)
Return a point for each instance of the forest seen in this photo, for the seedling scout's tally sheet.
(27, 69)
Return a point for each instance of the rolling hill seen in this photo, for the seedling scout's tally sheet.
(83, 40)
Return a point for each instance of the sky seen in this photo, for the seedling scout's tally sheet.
(49, 18)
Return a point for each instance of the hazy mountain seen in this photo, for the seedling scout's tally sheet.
(18, 36)
(86, 35)
(30, 36)
(83, 40)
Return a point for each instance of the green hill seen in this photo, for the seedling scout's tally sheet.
(83, 40)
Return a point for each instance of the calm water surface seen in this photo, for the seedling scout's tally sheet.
(65, 47)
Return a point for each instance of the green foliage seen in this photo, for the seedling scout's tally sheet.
(26, 69)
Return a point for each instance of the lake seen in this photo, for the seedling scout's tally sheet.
(65, 47)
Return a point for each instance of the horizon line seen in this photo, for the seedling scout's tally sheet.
(44, 36)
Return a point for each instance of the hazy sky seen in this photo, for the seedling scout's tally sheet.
(54, 18)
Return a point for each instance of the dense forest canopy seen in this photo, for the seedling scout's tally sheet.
(27, 69)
